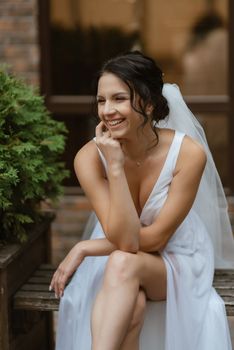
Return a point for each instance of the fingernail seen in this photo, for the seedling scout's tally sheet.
(50, 288)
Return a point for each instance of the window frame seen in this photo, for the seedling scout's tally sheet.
(81, 104)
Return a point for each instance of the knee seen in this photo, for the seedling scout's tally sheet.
(120, 266)
(139, 311)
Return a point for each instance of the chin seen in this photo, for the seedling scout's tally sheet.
(118, 134)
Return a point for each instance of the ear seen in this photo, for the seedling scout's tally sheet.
(149, 109)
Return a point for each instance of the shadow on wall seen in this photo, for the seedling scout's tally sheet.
(205, 58)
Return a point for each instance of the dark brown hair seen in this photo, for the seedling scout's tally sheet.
(144, 78)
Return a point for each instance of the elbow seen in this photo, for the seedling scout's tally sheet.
(162, 244)
(126, 245)
(129, 247)
(127, 242)
(156, 245)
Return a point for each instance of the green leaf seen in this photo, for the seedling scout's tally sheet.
(31, 144)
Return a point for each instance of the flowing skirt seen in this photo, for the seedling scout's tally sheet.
(193, 316)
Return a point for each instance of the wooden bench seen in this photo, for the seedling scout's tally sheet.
(21, 329)
(34, 294)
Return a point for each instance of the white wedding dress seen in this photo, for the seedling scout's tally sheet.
(193, 316)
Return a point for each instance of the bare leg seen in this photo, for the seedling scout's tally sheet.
(131, 340)
(115, 304)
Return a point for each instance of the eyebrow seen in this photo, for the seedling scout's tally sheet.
(116, 94)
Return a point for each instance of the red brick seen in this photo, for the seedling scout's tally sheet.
(19, 38)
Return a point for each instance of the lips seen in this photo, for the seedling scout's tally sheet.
(114, 122)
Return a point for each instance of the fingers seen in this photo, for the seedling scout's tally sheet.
(61, 285)
(65, 270)
(101, 130)
(54, 284)
(58, 282)
(51, 287)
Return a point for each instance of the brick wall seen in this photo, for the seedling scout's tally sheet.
(19, 38)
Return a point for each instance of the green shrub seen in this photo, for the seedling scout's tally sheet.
(31, 143)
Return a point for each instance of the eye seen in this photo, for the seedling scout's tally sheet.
(100, 101)
(121, 98)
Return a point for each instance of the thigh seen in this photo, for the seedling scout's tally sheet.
(153, 275)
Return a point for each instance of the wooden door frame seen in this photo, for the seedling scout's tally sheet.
(81, 104)
(231, 96)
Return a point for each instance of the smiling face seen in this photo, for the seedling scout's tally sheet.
(114, 107)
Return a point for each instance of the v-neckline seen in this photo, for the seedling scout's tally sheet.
(160, 174)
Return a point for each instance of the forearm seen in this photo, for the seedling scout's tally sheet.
(96, 247)
(123, 224)
(152, 239)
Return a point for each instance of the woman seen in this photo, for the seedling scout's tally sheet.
(146, 281)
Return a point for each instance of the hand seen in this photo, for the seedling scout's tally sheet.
(110, 147)
(66, 268)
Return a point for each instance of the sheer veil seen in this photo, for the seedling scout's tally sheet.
(210, 203)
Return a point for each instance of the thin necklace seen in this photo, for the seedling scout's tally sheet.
(137, 162)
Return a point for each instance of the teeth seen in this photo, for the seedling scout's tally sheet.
(115, 122)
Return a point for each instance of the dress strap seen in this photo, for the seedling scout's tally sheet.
(175, 150)
(177, 142)
(101, 156)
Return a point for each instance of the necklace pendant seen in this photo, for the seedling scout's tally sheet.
(138, 163)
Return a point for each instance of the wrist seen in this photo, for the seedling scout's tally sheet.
(115, 169)
(81, 250)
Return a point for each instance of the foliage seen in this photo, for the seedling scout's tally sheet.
(31, 143)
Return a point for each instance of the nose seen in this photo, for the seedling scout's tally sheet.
(109, 108)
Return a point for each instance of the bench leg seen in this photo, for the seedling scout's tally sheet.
(4, 321)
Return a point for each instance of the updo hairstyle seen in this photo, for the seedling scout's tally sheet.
(144, 78)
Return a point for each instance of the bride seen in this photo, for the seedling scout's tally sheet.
(144, 279)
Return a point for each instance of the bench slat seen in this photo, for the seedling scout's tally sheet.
(43, 273)
(40, 280)
(47, 267)
(34, 295)
(36, 300)
(35, 287)
(223, 272)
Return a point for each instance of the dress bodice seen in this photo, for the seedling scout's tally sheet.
(185, 239)
(160, 189)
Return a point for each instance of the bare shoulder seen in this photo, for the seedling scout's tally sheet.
(85, 153)
(192, 155)
(92, 178)
(87, 162)
(193, 149)
(190, 149)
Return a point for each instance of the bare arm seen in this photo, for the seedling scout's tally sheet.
(111, 200)
(112, 203)
(123, 224)
(182, 193)
(181, 196)
(152, 238)
(96, 247)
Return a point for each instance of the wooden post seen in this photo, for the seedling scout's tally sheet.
(231, 95)
(17, 263)
(4, 316)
